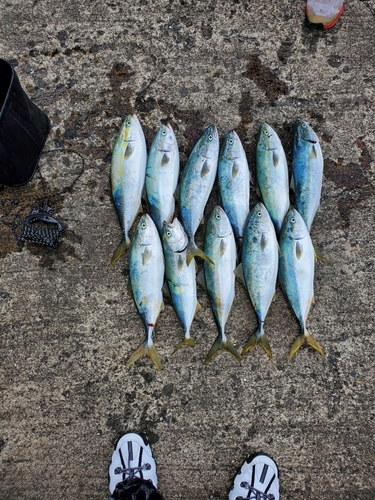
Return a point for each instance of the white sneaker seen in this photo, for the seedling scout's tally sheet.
(132, 457)
(258, 479)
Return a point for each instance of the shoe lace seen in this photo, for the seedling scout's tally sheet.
(131, 471)
(255, 494)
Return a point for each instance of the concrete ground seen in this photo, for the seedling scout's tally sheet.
(68, 322)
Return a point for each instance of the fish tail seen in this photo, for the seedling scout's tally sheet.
(222, 345)
(145, 349)
(121, 249)
(308, 339)
(319, 255)
(194, 251)
(186, 341)
(258, 338)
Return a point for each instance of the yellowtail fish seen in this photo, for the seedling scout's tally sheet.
(181, 278)
(272, 174)
(260, 256)
(220, 246)
(163, 166)
(296, 271)
(127, 178)
(146, 280)
(234, 183)
(197, 181)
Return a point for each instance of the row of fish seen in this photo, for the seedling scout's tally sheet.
(131, 169)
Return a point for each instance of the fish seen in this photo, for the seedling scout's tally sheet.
(196, 184)
(220, 246)
(307, 171)
(234, 183)
(180, 277)
(127, 177)
(162, 171)
(296, 271)
(272, 174)
(260, 260)
(146, 272)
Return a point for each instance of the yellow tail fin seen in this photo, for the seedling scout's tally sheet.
(145, 350)
(121, 249)
(186, 341)
(194, 251)
(222, 345)
(261, 340)
(307, 339)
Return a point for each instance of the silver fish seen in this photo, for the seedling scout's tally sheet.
(272, 174)
(296, 270)
(163, 165)
(220, 246)
(127, 177)
(197, 181)
(260, 256)
(181, 278)
(146, 280)
(234, 182)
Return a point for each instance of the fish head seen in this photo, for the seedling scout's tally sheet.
(267, 138)
(303, 132)
(218, 223)
(208, 143)
(174, 236)
(166, 140)
(294, 226)
(259, 219)
(232, 147)
(146, 232)
(131, 129)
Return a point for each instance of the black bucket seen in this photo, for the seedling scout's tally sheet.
(23, 130)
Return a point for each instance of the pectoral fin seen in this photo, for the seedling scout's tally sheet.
(128, 151)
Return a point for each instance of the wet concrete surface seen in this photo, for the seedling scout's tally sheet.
(69, 323)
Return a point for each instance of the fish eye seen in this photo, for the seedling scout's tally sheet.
(218, 216)
(293, 220)
(210, 137)
(143, 225)
(169, 233)
(231, 142)
(259, 214)
(164, 132)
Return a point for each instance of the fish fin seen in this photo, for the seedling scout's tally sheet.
(292, 184)
(194, 251)
(238, 272)
(146, 256)
(205, 168)
(165, 159)
(258, 193)
(314, 151)
(145, 350)
(120, 250)
(176, 193)
(260, 338)
(201, 279)
(319, 255)
(222, 345)
(186, 341)
(180, 263)
(263, 242)
(198, 307)
(223, 247)
(161, 307)
(307, 339)
(235, 169)
(299, 250)
(129, 150)
(275, 159)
